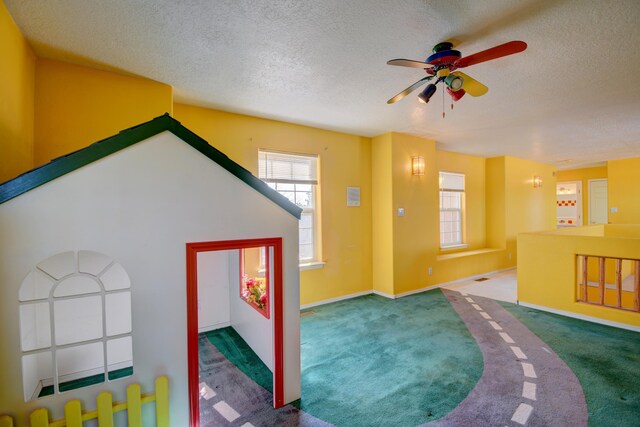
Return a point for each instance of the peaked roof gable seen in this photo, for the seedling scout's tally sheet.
(126, 138)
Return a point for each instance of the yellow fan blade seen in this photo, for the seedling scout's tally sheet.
(471, 85)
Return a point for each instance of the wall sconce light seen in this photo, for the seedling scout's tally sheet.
(537, 181)
(417, 165)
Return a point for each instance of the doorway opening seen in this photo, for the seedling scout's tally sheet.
(569, 204)
(268, 278)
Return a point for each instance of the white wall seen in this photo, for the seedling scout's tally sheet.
(140, 206)
(252, 326)
(213, 290)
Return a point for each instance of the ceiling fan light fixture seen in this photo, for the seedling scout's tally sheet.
(454, 82)
(427, 93)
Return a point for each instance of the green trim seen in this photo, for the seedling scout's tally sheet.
(87, 381)
(70, 162)
(120, 373)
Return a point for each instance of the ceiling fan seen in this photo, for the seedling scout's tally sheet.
(442, 66)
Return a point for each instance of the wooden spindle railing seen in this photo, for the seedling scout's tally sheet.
(584, 284)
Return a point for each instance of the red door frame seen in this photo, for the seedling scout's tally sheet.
(192, 316)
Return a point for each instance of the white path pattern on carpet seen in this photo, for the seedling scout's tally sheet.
(523, 382)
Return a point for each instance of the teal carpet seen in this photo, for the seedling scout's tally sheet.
(238, 352)
(606, 360)
(371, 361)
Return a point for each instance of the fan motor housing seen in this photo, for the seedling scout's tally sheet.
(444, 57)
(442, 46)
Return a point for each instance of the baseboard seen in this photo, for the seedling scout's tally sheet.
(440, 285)
(330, 300)
(218, 325)
(403, 294)
(383, 294)
(581, 317)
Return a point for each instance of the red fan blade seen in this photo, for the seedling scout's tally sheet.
(489, 54)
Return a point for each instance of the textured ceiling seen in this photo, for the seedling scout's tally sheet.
(571, 99)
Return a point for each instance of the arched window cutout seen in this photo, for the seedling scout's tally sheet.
(35, 326)
(92, 263)
(115, 278)
(59, 265)
(85, 344)
(35, 286)
(77, 319)
(76, 285)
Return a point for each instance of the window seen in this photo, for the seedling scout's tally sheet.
(451, 209)
(75, 323)
(254, 283)
(295, 177)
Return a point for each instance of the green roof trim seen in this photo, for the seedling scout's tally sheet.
(126, 138)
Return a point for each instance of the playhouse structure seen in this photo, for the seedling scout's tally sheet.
(112, 256)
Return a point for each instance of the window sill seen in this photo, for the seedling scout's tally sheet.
(312, 265)
(454, 247)
(467, 253)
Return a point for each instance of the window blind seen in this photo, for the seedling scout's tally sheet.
(451, 181)
(281, 167)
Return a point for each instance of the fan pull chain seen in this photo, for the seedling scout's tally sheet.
(443, 104)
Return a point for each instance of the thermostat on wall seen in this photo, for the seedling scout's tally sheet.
(353, 196)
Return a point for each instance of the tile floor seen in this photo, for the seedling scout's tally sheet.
(501, 286)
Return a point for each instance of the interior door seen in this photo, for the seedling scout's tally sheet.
(598, 201)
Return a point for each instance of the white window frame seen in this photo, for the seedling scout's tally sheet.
(53, 348)
(312, 179)
(452, 184)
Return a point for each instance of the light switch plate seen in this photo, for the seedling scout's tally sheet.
(400, 211)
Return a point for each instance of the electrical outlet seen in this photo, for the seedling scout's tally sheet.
(430, 271)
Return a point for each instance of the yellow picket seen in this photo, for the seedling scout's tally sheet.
(105, 409)
(73, 413)
(6, 421)
(134, 406)
(162, 402)
(40, 418)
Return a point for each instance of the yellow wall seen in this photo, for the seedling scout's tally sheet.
(624, 190)
(17, 69)
(583, 175)
(495, 203)
(76, 106)
(501, 202)
(473, 168)
(528, 209)
(547, 273)
(382, 214)
(416, 238)
(345, 160)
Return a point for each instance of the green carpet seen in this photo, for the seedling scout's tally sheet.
(606, 360)
(238, 352)
(371, 361)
